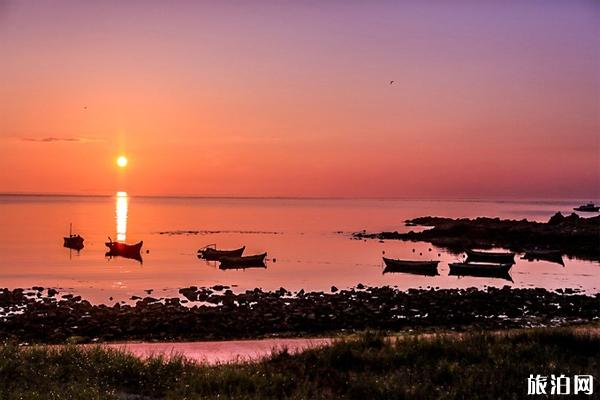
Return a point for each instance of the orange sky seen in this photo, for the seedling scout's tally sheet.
(269, 99)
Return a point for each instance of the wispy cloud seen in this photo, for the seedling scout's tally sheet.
(54, 139)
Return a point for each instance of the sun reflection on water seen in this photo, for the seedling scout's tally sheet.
(121, 215)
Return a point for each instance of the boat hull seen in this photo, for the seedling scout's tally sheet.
(411, 267)
(211, 254)
(490, 257)
(73, 242)
(481, 270)
(125, 250)
(587, 209)
(256, 261)
(553, 256)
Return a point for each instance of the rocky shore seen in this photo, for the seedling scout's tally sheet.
(573, 235)
(38, 315)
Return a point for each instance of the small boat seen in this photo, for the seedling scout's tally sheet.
(490, 257)
(228, 262)
(554, 256)
(488, 270)
(211, 253)
(73, 241)
(412, 267)
(124, 250)
(589, 207)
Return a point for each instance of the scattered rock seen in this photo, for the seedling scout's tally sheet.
(255, 313)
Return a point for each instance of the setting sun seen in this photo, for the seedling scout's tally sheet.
(122, 161)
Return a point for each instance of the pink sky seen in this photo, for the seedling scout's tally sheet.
(281, 99)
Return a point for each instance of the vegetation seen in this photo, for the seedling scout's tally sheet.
(441, 366)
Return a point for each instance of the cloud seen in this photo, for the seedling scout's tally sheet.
(53, 139)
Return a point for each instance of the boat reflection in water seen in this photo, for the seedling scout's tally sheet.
(427, 268)
(119, 248)
(243, 262)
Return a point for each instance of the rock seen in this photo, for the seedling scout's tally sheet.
(256, 313)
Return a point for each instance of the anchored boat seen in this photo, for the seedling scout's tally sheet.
(73, 241)
(480, 269)
(490, 257)
(257, 261)
(554, 256)
(124, 250)
(589, 207)
(211, 253)
(409, 266)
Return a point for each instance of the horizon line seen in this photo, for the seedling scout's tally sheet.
(247, 197)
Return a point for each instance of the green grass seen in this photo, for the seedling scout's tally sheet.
(473, 366)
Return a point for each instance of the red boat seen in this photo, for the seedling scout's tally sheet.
(124, 249)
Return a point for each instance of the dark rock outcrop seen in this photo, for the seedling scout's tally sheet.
(573, 235)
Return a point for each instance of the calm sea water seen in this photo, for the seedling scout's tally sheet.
(308, 244)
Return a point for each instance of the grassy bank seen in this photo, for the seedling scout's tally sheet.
(484, 366)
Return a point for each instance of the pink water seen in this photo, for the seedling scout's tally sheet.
(219, 352)
(302, 237)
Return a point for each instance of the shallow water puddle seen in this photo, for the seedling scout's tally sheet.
(216, 352)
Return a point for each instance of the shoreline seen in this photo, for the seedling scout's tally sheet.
(257, 314)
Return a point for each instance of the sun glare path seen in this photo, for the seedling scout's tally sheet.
(121, 215)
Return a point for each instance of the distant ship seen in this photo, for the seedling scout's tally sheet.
(589, 207)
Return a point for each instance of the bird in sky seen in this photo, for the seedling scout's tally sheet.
(391, 82)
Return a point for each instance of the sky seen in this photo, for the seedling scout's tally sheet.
(281, 98)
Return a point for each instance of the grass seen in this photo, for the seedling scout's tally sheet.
(446, 366)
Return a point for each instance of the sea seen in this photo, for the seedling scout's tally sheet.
(308, 242)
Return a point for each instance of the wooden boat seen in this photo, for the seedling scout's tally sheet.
(488, 270)
(589, 207)
(124, 250)
(214, 254)
(490, 257)
(243, 261)
(554, 256)
(412, 267)
(72, 241)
